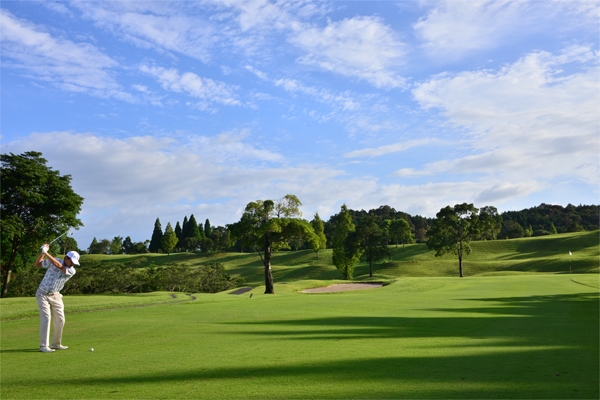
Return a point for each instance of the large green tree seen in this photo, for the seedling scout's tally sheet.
(267, 226)
(453, 230)
(37, 205)
(371, 238)
(345, 255)
(319, 228)
(490, 222)
(400, 231)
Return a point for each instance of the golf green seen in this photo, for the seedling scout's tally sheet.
(517, 336)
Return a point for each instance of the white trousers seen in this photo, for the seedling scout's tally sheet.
(51, 308)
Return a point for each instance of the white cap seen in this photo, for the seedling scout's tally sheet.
(74, 256)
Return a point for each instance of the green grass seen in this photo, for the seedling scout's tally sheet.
(518, 326)
(546, 254)
(525, 336)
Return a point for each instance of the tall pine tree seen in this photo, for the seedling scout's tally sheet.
(179, 234)
(191, 234)
(155, 243)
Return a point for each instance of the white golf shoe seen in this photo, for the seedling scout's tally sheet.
(46, 350)
(59, 347)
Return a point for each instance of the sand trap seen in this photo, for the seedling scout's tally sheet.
(341, 287)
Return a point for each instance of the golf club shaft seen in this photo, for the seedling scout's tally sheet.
(59, 237)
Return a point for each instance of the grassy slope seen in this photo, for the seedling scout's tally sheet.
(548, 254)
(526, 336)
(431, 335)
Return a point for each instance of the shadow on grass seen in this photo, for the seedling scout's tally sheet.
(19, 351)
(517, 374)
(518, 347)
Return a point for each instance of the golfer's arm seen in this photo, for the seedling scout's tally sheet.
(38, 262)
(56, 263)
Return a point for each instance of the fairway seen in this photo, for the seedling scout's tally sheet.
(517, 336)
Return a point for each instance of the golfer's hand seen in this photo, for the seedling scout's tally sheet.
(45, 248)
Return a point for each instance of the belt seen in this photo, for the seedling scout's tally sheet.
(47, 293)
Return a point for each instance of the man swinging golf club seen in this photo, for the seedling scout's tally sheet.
(49, 298)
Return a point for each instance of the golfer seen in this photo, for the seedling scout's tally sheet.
(49, 298)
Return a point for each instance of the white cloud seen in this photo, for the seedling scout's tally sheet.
(391, 148)
(158, 25)
(452, 29)
(75, 67)
(530, 118)
(506, 190)
(194, 85)
(456, 27)
(360, 47)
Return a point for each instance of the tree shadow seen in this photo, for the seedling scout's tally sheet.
(518, 347)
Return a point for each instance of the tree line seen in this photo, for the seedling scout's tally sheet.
(38, 203)
(401, 228)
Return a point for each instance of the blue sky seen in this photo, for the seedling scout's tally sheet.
(167, 109)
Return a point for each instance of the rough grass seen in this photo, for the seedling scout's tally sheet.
(519, 336)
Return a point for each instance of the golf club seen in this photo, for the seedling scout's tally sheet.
(68, 230)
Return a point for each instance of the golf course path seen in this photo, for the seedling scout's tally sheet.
(341, 287)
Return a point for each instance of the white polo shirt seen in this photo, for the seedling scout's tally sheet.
(55, 279)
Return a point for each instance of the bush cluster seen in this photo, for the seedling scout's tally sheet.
(120, 278)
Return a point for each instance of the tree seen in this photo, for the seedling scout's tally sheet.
(67, 243)
(319, 228)
(93, 248)
(400, 230)
(103, 247)
(127, 245)
(207, 229)
(37, 204)
(220, 238)
(511, 230)
(155, 242)
(116, 246)
(169, 239)
(371, 239)
(453, 230)
(345, 255)
(191, 234)
(267, 226)
(490, 221)
(178, 233)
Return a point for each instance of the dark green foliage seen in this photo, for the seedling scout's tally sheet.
(511, 230)
(37, 204)
(111, 278)
(542, 217)
(156, 240)
(130, 247)
(371, 238)
(346, 253)
(99, 247)
(192, 238)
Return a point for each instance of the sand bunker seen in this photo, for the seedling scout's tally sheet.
(341, 287)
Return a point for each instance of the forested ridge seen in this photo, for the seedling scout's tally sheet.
(545, 219)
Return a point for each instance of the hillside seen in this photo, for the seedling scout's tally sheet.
(546, 254)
